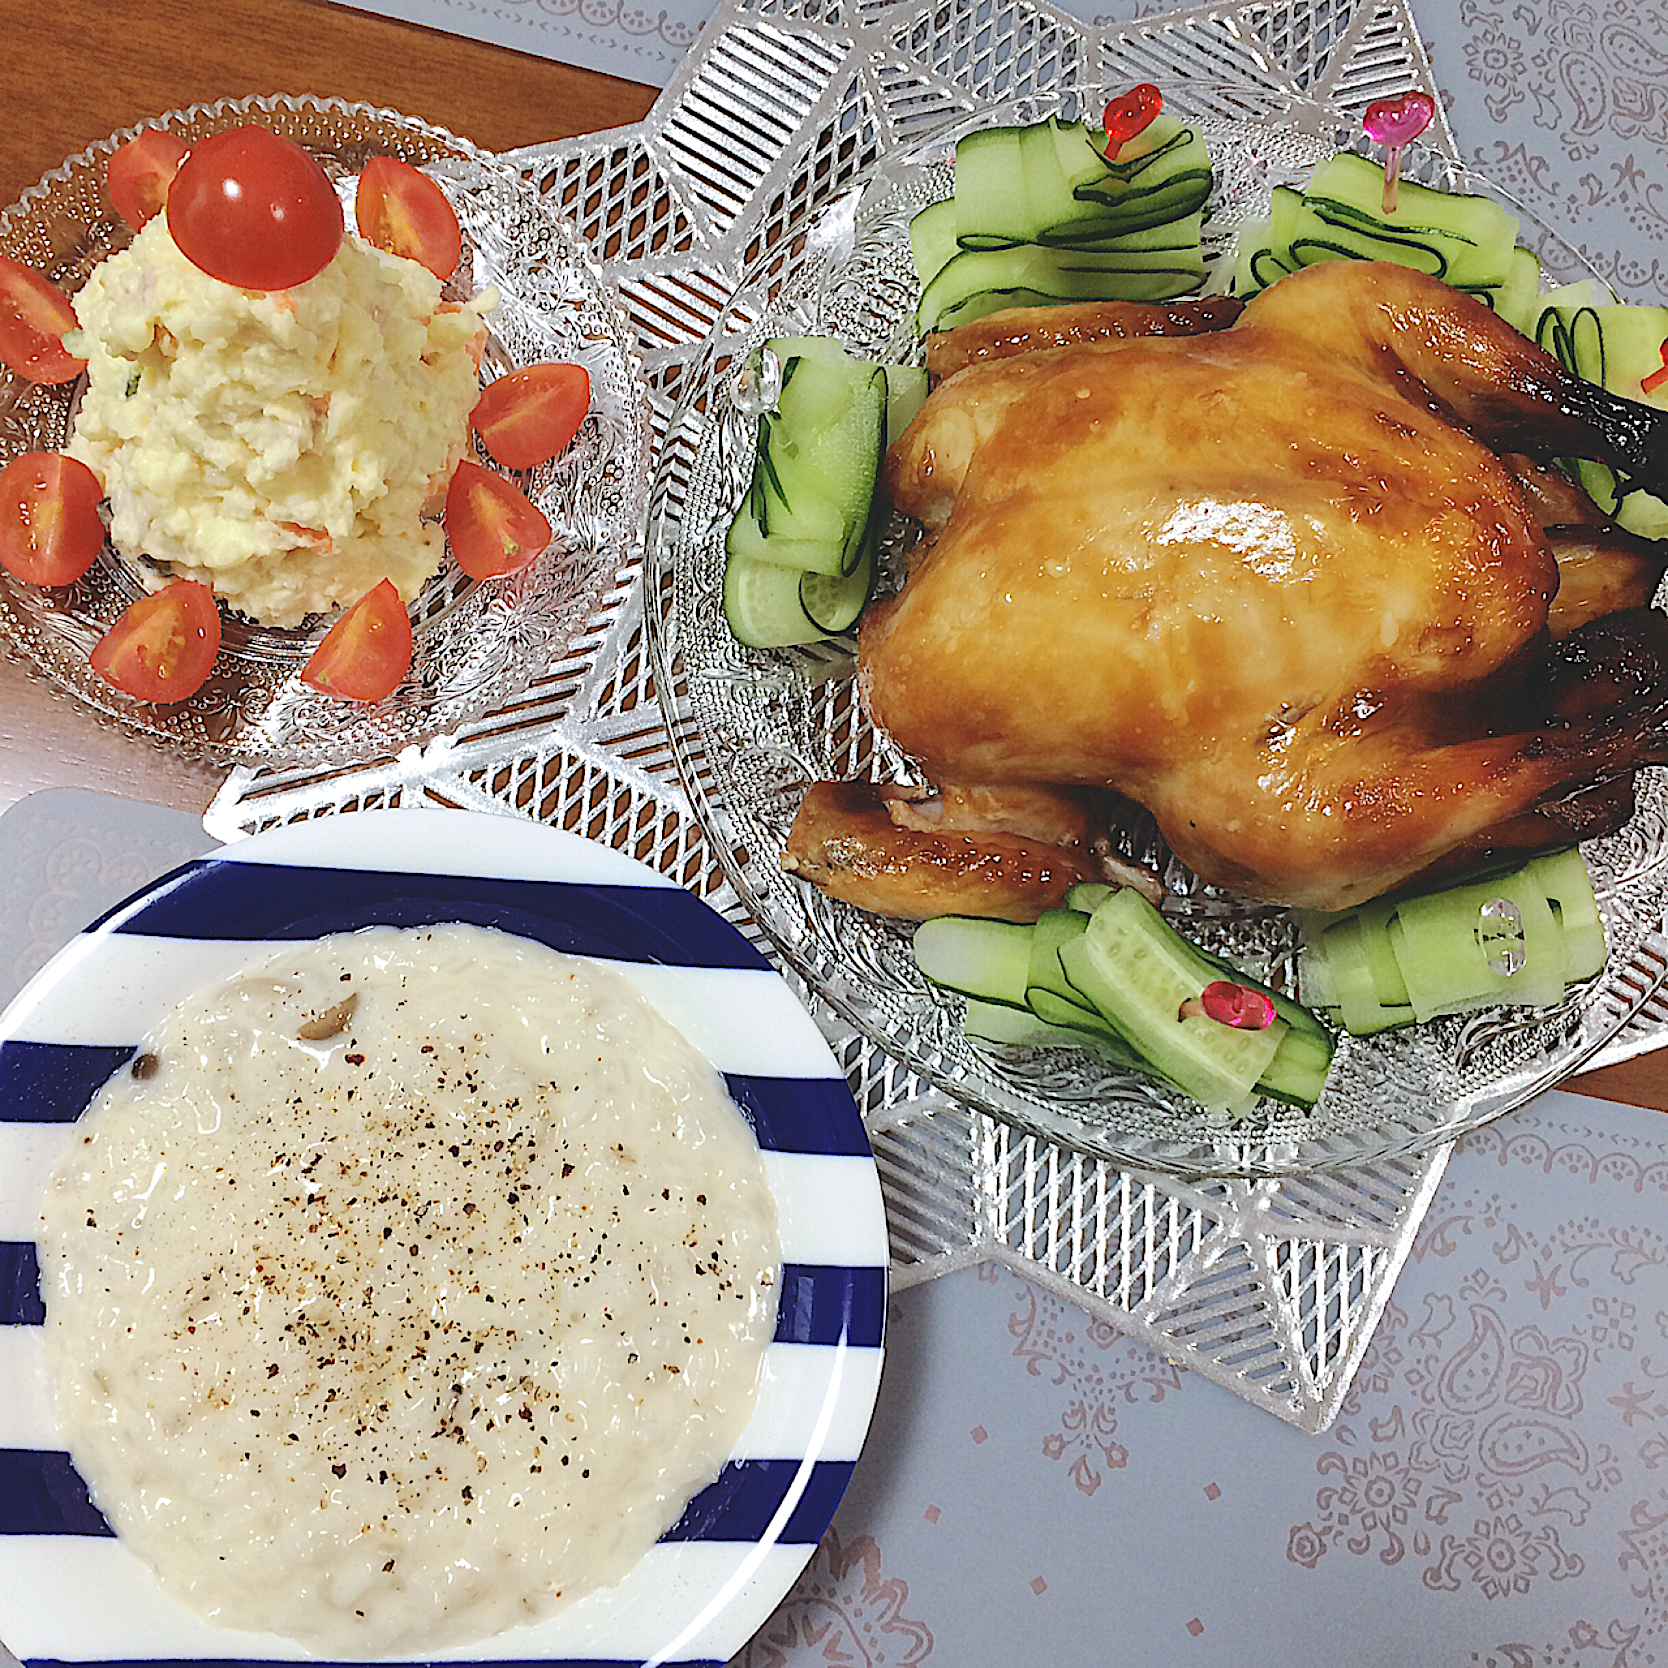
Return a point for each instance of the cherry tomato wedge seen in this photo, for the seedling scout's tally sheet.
(493, 527)
(34, 314)
(162, 649)
(528, 416)
(252, 208)
(400, 209)
(50, 532)
(139, 174)
(367, 652)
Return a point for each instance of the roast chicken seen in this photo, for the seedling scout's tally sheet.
(1299, 579)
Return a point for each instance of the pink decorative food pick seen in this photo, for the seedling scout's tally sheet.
(1230, 1004)
(1650, 384)
(1130, 114)
(1395, 123)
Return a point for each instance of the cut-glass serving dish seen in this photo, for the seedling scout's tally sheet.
(753, 728)
(478, 644)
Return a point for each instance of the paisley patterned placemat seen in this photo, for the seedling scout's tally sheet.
(1039, 1487)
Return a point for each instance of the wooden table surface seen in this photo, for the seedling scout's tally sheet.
(76, 70)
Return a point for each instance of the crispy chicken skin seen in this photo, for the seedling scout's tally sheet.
(1275, 583)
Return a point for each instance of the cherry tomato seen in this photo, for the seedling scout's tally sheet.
(493, 527)
(252, 208)
(140, 173)
(367, 652)
(34, 314)
(528, 416)
(162, 649)
(400, 209)
(50, 532)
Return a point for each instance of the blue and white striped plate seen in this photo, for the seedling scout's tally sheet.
(69, 1591)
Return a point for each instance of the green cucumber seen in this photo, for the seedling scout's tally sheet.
(1088, 895)
(1617, 346)
(906, 393)
(995, 1022)
(1518, 299)
(1563, 877)
(993, 206)
(1467, 241)
(1297, 1073)
(799, 551)
(1336, 975)
(1161, 174)
(1053, 928)
(1138, 971)
(978, 282)
(932, 239)
(769, 606)
(975, 957)
(1442, 948)
(1400, 960)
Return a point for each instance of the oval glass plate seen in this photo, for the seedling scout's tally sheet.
(716, 1575)
(751, 729)
(476, 643)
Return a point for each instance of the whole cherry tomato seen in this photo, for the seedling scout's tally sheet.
(252, 208)
(34, 314)
(528, 416)
(162, 649)
(400, 209)
(139, 174)
(493, 527)
(50, 532)
(366, 653)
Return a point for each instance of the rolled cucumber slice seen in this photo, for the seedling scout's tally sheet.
(769, 606)
(1617, 346)
(932, 239)
(1138, 972)
(976, 957)
(1401, 960)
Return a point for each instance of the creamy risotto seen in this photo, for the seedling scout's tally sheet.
(405, 1290)
(280, 447)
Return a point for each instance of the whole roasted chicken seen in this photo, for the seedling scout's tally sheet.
(1301, 582)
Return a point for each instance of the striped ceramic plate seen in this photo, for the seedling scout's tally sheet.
(70, 1593)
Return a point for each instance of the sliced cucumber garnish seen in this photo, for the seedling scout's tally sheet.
(1518, 937)
(1114, 981)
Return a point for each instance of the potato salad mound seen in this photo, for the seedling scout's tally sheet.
(279, 446)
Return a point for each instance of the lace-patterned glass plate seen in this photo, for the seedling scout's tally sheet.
(477, 644)
(753, 728)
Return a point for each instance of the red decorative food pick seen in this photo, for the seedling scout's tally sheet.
(1396, 123)
(1230, 1004)
(1650, 384)
(1130, 114)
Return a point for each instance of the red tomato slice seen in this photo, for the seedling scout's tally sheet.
(50, 532)
(252, 208)
(140, 173)
(493, 527)
(162, 649)
(528, 416)
(367, 652)
(34, 314)
(400, 209)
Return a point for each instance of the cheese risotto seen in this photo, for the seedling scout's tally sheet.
(405, 1289)
(279, 446)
